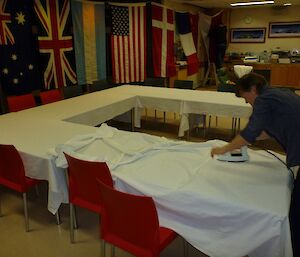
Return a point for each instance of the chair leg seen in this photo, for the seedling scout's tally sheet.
(71, 223)
(112, 249)
(75, 218)
(204, 125)
(185, 248)
(0, 207)
(25, 212)
(232, 126)
(37, 191)
(57, 216)
(102, 248)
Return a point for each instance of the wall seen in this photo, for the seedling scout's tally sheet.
(260, 17)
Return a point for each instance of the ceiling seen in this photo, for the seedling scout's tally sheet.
(226, 3)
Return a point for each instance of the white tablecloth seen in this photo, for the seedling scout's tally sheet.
(187, 101)
(35, 130)
(223, 209)
(33, 137)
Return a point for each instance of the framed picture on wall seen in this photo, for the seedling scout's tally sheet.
(284, 29)
(247, 35)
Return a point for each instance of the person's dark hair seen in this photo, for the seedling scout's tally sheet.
(247, 81)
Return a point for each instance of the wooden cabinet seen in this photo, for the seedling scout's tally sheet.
(281, 75)
(285, 75)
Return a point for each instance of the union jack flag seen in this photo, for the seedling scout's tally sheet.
(5, 18)
(56, 42)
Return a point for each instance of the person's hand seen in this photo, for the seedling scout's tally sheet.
(218, 150)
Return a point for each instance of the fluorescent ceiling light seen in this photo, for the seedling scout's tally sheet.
(287, 4)
(252, 3)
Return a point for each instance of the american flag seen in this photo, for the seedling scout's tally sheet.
(128, 42)
(53, 18)
(5, 19)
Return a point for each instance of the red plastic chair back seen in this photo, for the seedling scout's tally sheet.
(51, 96)
(83, 190)
(129, 222)
(21, 102)
(12, 173)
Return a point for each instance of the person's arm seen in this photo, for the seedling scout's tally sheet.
(263, 136)
(236, 143)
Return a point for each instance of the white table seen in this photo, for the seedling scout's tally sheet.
(223, 209)
(186, 102)
(89, 109)
(35, 131)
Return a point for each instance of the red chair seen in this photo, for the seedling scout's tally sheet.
(130, 222)
(83, 190)
(12, 175)
(51, 96)
(21, 102)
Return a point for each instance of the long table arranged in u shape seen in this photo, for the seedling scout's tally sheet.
(223, 209)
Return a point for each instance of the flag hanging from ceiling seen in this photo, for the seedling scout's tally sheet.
(18, 49)
(163, 41)
(55, 42)
(185, 34)
(89, 40)
(194, 20)
(128, 44)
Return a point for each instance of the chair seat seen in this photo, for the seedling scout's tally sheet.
(166, 236)
(94, 207)
(29, 182)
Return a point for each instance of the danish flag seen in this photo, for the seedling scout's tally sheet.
(163, 41)
(55, 43)
(5, 18)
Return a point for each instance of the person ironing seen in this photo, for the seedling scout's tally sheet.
(276, 113)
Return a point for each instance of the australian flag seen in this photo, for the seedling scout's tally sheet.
(19, 72)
